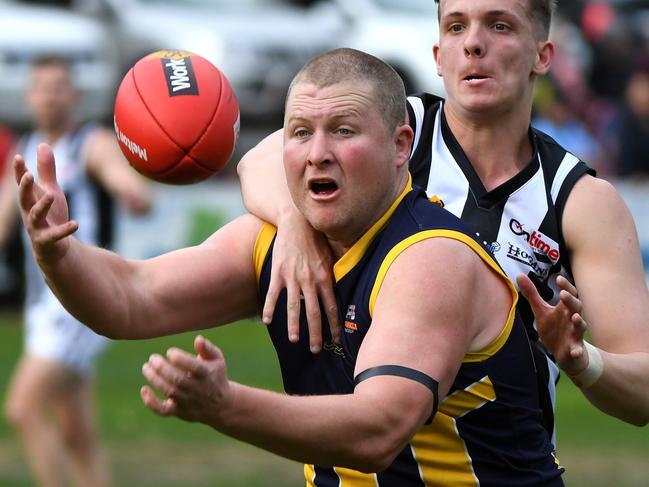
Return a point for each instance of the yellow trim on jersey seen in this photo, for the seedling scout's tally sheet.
(262, 245)
(354, 478)
(469, 399)
(436, 199)
(495, 345)
(309, 475)
(353, 256)
(440, 451)
(442, 456)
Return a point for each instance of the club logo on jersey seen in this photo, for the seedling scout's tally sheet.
(514, 252)
(350, 326)
(351, 312)
(542, 244)
(335, 349)
(494, 247)
(180, 76)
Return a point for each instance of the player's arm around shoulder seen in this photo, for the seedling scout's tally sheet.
(607, 266)
(437, 302)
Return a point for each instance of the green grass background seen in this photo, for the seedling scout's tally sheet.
(146, 450)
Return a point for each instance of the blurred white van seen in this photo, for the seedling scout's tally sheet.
(30, 30)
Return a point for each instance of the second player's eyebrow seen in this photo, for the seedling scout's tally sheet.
(456, 14)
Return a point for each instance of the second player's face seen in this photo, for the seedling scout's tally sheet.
(487, 53)
(339, 158)
(51, 96)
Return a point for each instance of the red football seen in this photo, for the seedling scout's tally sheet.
(176, 117)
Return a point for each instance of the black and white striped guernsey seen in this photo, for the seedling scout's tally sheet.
(88, 202)
(520, 220)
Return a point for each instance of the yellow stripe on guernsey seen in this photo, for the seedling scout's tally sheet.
(440, 451)
(348, 477)
(354, 478)
(262, 244)
(495, 345)
(438, 448)
(354, 255)
(309, 475)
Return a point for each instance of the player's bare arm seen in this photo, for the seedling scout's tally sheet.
(105, 161)
(193, 288)
(428, 328)
(608, 272)
(302, 258)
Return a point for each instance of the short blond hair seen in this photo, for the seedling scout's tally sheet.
(345, 64)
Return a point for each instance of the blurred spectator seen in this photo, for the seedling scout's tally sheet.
(49, 400)
(634, 127)
(555, 115)
(11, 253)
(7, 143)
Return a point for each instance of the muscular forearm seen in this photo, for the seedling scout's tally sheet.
(623, 389)
(352, 430)
(92, 284)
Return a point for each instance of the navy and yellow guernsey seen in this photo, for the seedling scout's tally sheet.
(488, 430)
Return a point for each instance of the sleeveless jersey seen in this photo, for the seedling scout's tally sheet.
(520, 220)
(487, 431)
(87, 203)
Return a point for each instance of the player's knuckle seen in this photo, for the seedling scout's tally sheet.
(314, 313)
(321, 275)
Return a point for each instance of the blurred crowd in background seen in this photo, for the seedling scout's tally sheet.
(595, 101)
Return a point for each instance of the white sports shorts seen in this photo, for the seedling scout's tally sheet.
(52, 333)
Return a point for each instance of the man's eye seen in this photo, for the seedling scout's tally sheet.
(301, 133)
(455, 28)
(344, 131)
(500, 26)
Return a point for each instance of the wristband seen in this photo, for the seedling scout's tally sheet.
(593, 372)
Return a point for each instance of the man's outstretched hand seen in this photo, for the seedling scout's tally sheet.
(43, 207)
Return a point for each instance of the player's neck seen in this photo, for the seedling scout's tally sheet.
(497, 150)
(53, 134)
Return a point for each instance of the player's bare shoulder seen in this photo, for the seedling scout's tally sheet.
(594, 206)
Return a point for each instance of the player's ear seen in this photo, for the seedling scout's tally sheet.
(544, 57)
(437, 59)
(403, 137)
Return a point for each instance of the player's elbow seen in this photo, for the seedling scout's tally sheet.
(382, 446)
(377, 455)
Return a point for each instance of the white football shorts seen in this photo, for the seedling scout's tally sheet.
(52, 333)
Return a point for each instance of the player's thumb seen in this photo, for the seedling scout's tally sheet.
(45, 164)
(206, 349)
